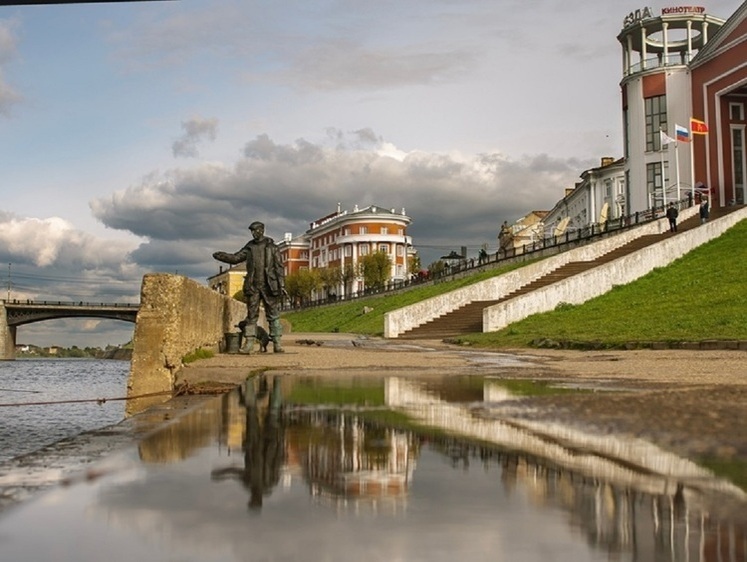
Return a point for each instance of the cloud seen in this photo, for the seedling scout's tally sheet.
(195, 130)
(51, 260)
(8, 95)
(343, 64)
(453, 199)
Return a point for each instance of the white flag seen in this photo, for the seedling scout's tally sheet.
(665, 138)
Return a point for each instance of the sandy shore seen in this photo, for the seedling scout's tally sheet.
(349, 354)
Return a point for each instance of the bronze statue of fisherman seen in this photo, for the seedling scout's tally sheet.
(264, 281)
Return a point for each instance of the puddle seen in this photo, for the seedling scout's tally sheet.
(294, 468)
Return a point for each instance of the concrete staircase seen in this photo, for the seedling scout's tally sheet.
(469, 318)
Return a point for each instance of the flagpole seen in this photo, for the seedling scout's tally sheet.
(677, 166)
(692, 166)
(663, 180)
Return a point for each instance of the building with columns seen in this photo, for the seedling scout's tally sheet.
(659, 55)
(682, 70)
(597, 198)
(342, 238)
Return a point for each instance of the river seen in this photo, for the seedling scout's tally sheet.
(36, 400)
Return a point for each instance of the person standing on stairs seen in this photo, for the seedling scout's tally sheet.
(672, 214)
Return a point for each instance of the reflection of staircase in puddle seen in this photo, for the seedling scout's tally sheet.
(628, 462)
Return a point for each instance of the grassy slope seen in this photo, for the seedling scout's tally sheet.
(702, 295)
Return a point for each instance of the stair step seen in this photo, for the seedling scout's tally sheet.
(468, 318)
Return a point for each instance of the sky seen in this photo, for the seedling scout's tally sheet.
(141, 137)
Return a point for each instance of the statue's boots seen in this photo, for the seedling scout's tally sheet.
(275, 335)
(249, 333)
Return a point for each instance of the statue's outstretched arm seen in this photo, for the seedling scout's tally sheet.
(225, 257)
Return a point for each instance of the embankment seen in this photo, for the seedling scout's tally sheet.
(176, 317)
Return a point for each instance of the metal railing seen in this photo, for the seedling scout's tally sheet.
(549, 245)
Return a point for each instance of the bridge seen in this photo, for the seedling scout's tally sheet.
(14, 313)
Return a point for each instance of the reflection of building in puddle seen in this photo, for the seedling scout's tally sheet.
(343, 460)
(348, 462)
(627, 495)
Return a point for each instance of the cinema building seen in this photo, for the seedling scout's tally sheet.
(684, 74)
(683, 96)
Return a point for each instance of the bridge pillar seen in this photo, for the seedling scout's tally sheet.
(7, 337)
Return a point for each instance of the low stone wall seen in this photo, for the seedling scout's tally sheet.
(177, 316)
(399, 321)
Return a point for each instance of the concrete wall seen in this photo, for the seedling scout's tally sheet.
(599, 280)
(176, 317)
(406, 318)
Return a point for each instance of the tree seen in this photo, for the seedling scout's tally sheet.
(301, 284)
(376, 269)
(331, 277)
(413, 264)
(349, 273)
(436, 269)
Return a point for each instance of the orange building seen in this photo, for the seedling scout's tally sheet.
(341, 239)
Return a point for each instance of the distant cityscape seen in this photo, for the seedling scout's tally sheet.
(74, 352)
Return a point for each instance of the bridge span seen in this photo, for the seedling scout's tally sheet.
(14, 313)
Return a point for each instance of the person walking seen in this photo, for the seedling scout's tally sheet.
(264, 281)
(672, 214)
(704, 211)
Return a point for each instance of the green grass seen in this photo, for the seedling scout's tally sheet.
(700, 296)
(349, 317)
(201, 353)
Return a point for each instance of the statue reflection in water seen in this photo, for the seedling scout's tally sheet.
(264, 449)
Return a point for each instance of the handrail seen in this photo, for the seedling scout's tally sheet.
(585, 235)
(79, 304)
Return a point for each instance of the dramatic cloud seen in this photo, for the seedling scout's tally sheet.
(453, 199)
(51, 260)
(195, 131)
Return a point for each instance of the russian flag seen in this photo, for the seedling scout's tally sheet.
(682, 133)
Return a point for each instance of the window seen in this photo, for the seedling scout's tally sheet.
(738, 153)
(400, 271)
(736, 112)
(653, 183)
(362, 230)
(384, 230)
(363, 250)
(656, 120)
(384, 248)
(346, 231)
(348, 251)
(401, 231)
(400, 250)
(304, 255)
